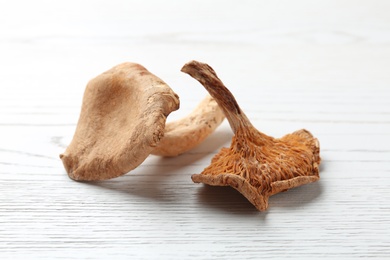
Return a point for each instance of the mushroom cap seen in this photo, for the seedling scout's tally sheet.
(121, 121)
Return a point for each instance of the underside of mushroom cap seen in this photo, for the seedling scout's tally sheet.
(188, 132)
(122, 119)
(258, 171)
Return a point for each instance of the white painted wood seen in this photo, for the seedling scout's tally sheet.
(324, 66)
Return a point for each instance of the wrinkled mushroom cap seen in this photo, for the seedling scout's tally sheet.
(121, 121)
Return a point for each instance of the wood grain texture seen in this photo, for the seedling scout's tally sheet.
(291, 65)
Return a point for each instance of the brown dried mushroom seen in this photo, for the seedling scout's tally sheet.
(121, 121)
(256, 165)
(188, 132)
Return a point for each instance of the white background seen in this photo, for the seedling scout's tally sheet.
(319, 65)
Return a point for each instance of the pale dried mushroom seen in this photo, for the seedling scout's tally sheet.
(256, 165)
(188, 132)
(121, 121)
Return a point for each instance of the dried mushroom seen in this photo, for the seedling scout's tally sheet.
(121, 121)
(188, 132)
(257, 165)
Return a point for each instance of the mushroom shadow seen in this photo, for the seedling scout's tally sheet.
(297, 197)
(227, 199)
(157, 177)
(153, 182)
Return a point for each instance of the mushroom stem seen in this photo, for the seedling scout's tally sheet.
(225, 99)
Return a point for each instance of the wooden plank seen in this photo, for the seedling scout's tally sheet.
(291, 65)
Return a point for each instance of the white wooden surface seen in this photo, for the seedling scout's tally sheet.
(320, 65)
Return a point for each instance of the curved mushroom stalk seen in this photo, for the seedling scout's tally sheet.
(121, 121)
(257, 165)
(182, 135)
